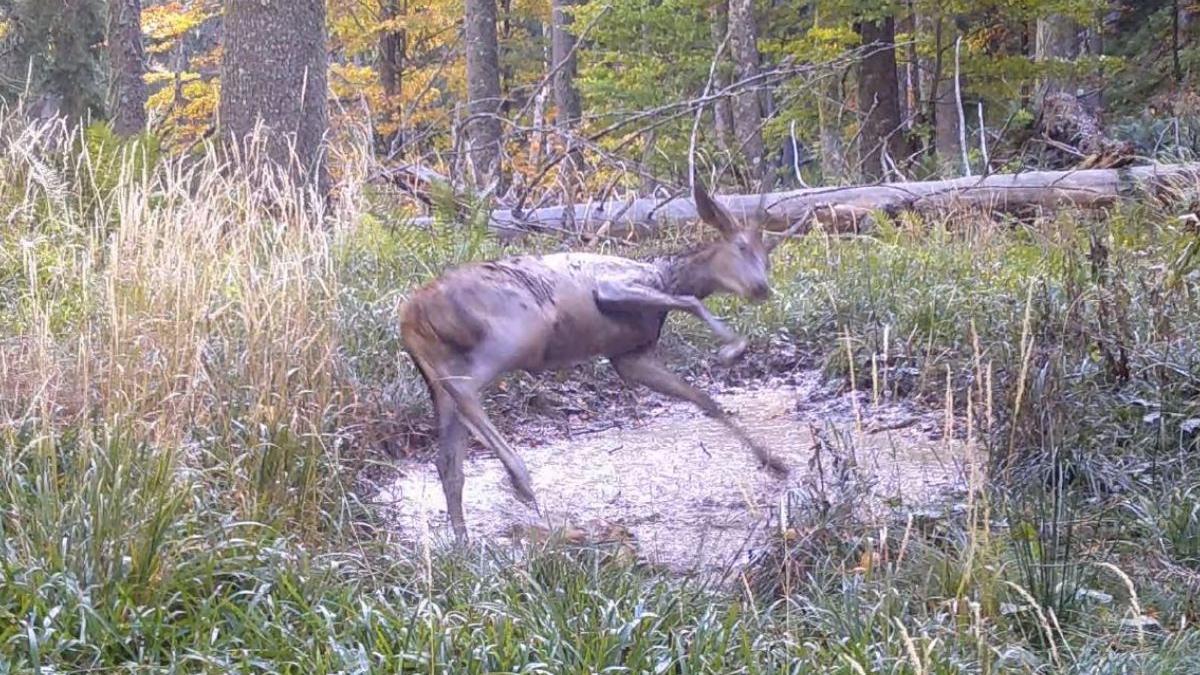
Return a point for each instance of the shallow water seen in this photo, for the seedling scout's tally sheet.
(692, 497)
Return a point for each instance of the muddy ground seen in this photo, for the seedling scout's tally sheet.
(675, 485)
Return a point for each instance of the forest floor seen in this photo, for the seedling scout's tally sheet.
(193, 408)
(674, 487)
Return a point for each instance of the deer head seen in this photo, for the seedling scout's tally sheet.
(740, 262)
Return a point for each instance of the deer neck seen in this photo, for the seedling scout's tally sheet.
(689, 273)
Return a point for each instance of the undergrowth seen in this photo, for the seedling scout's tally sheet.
(193, 371)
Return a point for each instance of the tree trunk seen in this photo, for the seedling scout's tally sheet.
(539, 136)
(1068, 112)
(566, 95)
(482, 128)
(127, 64)
(912, 72)
(393, 43)
(1061, 40)
(53, 55)
(834, 167)
(274, 73)
(941, 103)
(878, 99)
(564, 65)
(748, 117)
(722, 109)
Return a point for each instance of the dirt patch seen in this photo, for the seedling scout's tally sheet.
(691, 496)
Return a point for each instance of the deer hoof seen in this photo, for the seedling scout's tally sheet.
(524, 493)
(730, 353)
(778, 468)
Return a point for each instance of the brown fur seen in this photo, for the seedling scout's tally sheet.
(547, 312)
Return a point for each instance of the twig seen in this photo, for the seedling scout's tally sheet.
(962, 118)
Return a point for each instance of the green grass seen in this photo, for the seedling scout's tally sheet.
(193, 371)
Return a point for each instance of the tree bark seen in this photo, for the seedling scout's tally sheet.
(1060, 39)
(54, 56)
(482, 129)
(127, 65)
(912, 71)
(942, 101)
(842, 208)
(878, 99)
(274, 74)
(1068, 112)
(564, 65)
(747, 108)
(566, 95)
(393, 45)
(722, 108)
(834, 168)
(540, 134)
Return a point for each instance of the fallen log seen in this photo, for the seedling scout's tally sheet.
(847, 207)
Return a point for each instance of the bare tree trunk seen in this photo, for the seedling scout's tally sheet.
(1068, 107)
(482, 128)
(947, 136)
(393, 45)
(722, 109)
(274, 73)
(127, 63)
(748, 116)
(878, 98)
(834, 167)
(912, 71)
(1060, 39)
(1176, 68)
(648, 183)
(566, 95)
(564, 65)
(538, 139)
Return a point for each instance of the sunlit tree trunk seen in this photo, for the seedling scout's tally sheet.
(393, 44)
(722, 108)
(878, 99)
(566, 95)
(127, 65)
(274, 73)
(482, 128)
(747, 110)
(1061, 41)
(834, 167)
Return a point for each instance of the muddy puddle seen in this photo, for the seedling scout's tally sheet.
(690, 496)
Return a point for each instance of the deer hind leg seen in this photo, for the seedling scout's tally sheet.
(465, 394)
(643, 368)
(452, 447)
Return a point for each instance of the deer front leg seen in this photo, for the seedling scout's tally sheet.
(637, 298)
(643, 368)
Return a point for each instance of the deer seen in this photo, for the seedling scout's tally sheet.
(534, 313)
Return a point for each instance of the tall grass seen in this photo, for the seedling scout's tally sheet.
(193, 367)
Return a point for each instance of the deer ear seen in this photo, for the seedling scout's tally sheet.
(713, 213)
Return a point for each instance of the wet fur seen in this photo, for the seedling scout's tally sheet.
(533, 313)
